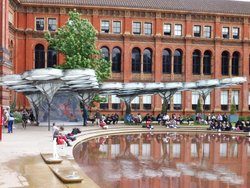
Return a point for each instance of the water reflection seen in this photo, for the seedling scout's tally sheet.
(166, 160)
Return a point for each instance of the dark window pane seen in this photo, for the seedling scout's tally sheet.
(104, 106)
(196, 63)
(147, 61)
(39, 56)
(225, 63)
(51, 57)
(136, 60)
(166, 62)
(116, 60)
(147, 106)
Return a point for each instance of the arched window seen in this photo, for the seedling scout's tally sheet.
(207, 63)
(147, 60)
(136, 60)
(235, 63)
(51, 57)
(225, 63)
(166, 61)
(105, 53)
(39, 56)
(177, 62)
(196, 62)
(116, 60)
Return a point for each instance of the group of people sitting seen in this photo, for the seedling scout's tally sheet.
(218, 125)
(62, 137)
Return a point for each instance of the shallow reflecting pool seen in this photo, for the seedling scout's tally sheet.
(168, 160)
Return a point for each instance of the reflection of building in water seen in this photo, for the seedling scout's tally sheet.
(170, 160)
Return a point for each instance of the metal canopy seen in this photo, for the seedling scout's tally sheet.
(47, 82)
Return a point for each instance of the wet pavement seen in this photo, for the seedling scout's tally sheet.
(22, 165)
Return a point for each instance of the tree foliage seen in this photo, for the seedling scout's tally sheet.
(198, 107)
(76, 40)
(233, 107)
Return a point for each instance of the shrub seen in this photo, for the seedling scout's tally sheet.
(18, 117)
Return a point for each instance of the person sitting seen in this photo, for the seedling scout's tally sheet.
(60, 136)
(108, 119)
(103, 124)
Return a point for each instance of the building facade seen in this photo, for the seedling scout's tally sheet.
(173, 41)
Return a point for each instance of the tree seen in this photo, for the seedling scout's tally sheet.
(233, 107)
(76, 40)
(198, 107)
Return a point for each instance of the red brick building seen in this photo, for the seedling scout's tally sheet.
(146, 40)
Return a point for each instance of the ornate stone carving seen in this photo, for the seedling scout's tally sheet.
(203, 17)
(232, 19)
(138, 14)
(173, 16)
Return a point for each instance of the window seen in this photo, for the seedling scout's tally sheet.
(178, 30)
(166, 61)
(236, 32)
(39, 56)
(235, 98)
(195, 98)
(167, 29)
(207, 103)
(136, 28)
(148, 28)
(147, 102)
(52, 24)
(51, 57)
(104, 105)
(105, 53)
(177, 101)
(225, 63)
(147, 61)
(235, 64)
(224, 100)
(105, 26)
(207, 63)
(115, 102)
(177, 62)
(197, 31)
(196, 62)
(136, 60)
(225, 32)
(116, 60)
(135, 103)
(39, 24)
(207, 31)
(116, 27)
(194, 151)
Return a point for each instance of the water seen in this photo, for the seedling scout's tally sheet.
(168, 160)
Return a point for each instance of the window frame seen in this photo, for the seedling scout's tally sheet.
(148, 28)
(178, 30)
(207, 31)
(116, 29)
(38, 27)
(167, 29)
(136, 28)
(52, 19)
(197, 31)
(105, 26)
(225, 32)
(236, 35)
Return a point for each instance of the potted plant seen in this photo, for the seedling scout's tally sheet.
(233, 117)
